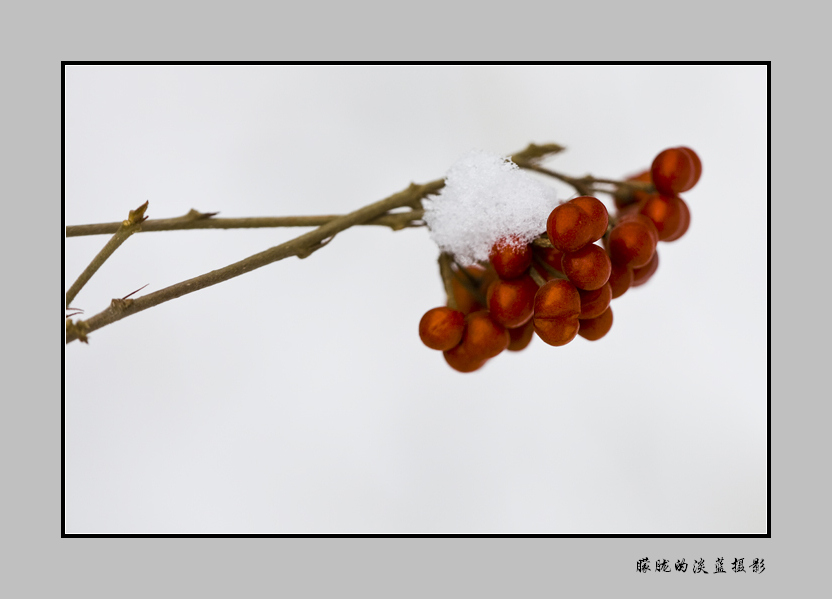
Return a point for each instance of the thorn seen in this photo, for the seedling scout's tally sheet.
(194, 214)
(136, 291)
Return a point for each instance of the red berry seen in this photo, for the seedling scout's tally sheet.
(460, 360)
(595, 328)
(632, 241)
(483, 338)
(684, 221)
(697, 165)
(511, 302)
(666, 212)
(598, 216)
(588, 268)
(576, 223)
(557, 307)
(567, 228)
(521, 337)
(511, 258)
(641, 275)
(593, 303)
(674, 170)
(441, 328)
(621, 278)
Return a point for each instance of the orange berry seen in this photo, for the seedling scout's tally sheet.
(674, 170)
(632, 241)
(684, 221)
(697, 165)
(621, 278)
(460, 360)
(557, 307)
(442, 328)
(567, 228)
(597, 212)
(576, 223)
(483, 338)
(643, 274)
(593, 303)
(588, 268)
(511, 258)
(521, 336)
(667, 213)
(511, 302)
(595, 328)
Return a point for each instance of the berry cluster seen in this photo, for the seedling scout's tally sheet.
(561, 285)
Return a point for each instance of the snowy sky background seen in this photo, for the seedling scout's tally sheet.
(299, 399)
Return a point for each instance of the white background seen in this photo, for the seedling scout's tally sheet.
(299, 399)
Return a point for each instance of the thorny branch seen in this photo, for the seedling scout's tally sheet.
(205, 220)
(328, 226)
(124, 230)
(301, 246)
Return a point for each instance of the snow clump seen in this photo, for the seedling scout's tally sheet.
(487, 198)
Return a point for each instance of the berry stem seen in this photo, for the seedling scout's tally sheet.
(447, 279)
(552, 271)
(587, 185)
(536, 277)
(467, 281)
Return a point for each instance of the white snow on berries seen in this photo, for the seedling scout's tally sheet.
(487, 198)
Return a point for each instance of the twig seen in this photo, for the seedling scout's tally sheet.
(447, 279)
(586, 185)
(551, 270)
(121, 309)
(534, 152)
(195, 219)
(583, 186)
(125, 229)
(536, 277)
(204, 220)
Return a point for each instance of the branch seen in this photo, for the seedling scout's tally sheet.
(327, 227)
(586, 185)
(300, 246)
(534, 153)
(582, 186)
(204, 220)
(123, 230)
